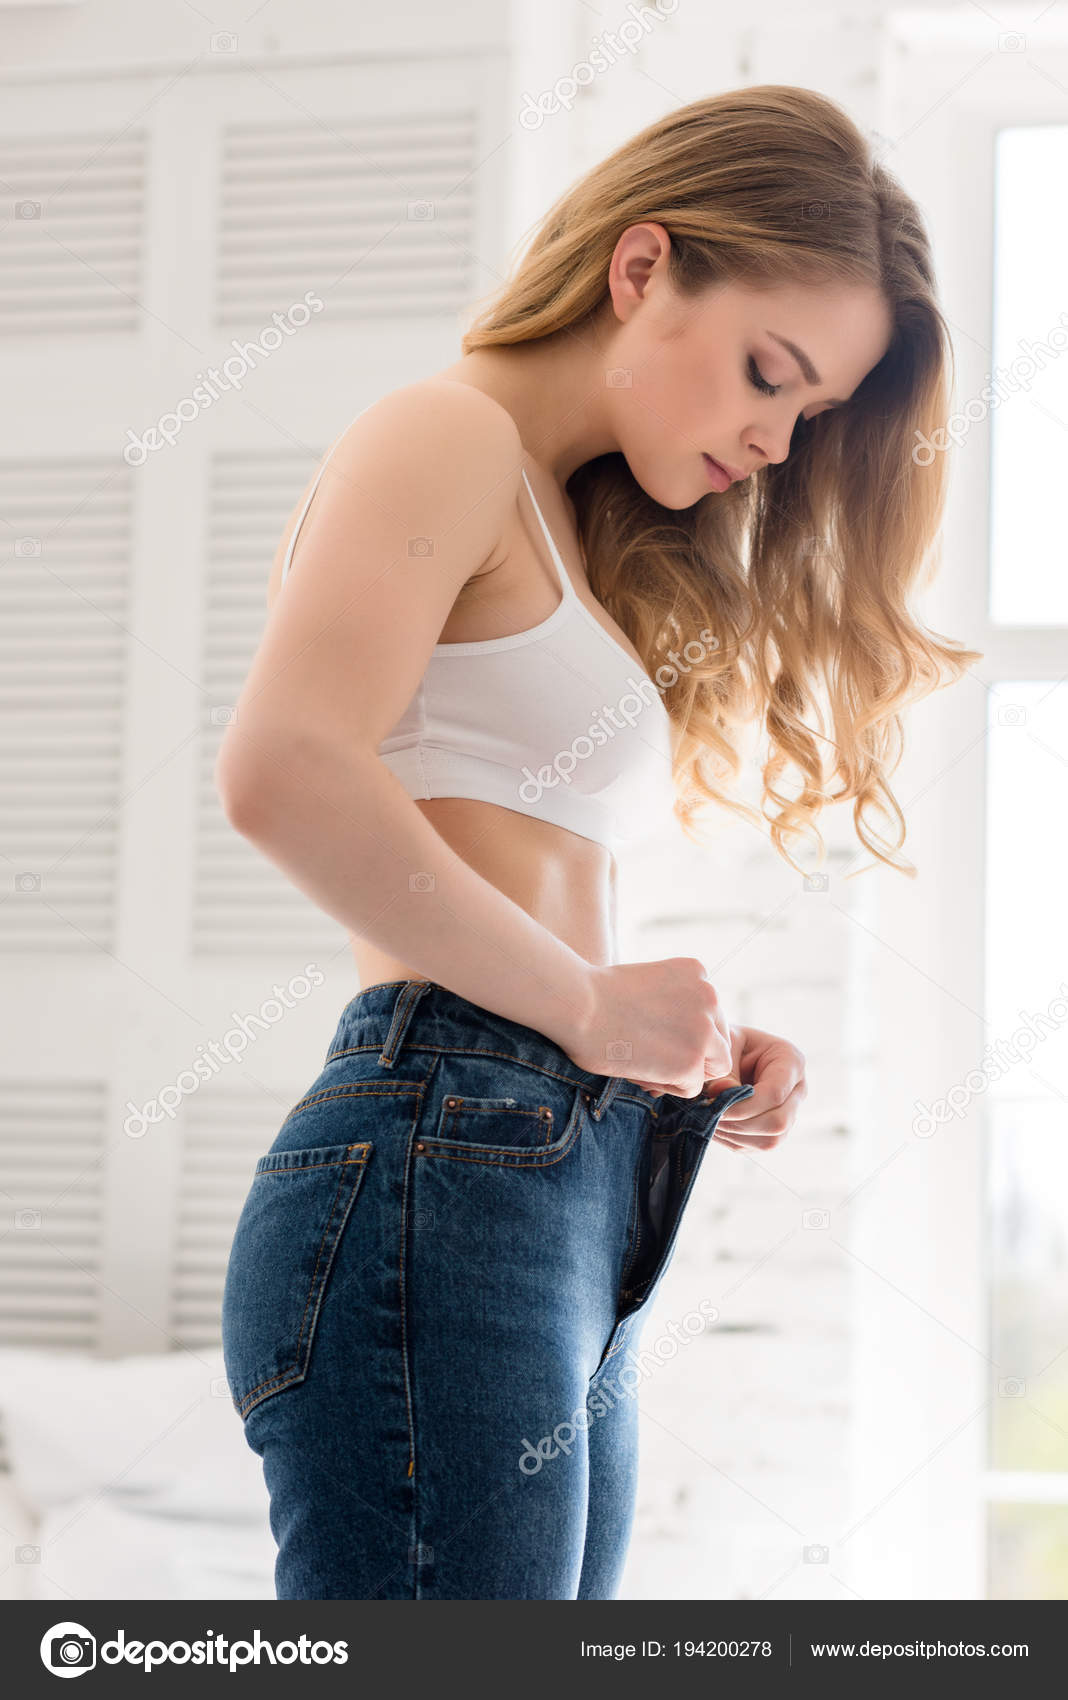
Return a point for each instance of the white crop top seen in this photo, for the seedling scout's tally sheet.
(556, 722)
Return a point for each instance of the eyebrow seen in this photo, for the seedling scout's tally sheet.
(808, 371)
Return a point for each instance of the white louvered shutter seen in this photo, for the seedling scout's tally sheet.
(169, 216)
(384, 205)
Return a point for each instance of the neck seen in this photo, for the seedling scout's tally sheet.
(554, 389)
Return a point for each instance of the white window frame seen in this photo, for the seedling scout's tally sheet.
(925, 1383)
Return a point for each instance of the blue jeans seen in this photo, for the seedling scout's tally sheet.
(433, 1300)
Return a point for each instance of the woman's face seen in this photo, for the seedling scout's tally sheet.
(711, 375)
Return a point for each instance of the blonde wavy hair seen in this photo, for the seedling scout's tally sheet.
(804, 570)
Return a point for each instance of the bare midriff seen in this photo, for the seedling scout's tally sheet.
(563, 881)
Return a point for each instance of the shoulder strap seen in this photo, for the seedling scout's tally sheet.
(308, 499)
(565, 579)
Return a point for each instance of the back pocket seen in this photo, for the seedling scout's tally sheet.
(283, 1250)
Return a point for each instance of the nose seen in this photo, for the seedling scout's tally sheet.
(773, 438)
(769, 445)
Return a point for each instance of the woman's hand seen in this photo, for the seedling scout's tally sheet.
(777, 1070)
(661, 1021)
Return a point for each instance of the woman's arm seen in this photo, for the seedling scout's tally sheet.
(345, 831)
(346, 642)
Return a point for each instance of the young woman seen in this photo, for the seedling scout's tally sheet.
(668, 490)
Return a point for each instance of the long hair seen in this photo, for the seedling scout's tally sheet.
(803, 571)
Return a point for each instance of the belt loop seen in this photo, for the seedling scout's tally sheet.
(611, 1087)
(403, 1010)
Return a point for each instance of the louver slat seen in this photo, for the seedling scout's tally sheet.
(377, 216)
(73, 217)
(63, 600)
(51, 1177)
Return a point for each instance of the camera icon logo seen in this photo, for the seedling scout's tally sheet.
(68, 1649)
(1011, 1387)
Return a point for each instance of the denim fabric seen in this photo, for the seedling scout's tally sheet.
(440, 1269)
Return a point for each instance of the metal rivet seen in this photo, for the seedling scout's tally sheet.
(420, 1147)
(450, 1103)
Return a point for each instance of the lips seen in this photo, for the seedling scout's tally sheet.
(718, 476)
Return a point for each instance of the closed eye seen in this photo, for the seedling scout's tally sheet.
(759, 382)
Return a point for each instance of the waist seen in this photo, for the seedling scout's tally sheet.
(424, 1021)
(564, 882)
(434, 1018)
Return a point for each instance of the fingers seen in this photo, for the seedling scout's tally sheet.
(725, 1139)
(774, 1122)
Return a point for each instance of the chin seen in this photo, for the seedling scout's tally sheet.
(671, 493)
(689, 500)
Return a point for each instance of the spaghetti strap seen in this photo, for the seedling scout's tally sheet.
(565, 578)
(311, 493)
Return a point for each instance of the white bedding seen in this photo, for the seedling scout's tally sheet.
(133, 1478)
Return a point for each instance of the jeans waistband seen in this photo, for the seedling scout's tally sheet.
(422, 1013)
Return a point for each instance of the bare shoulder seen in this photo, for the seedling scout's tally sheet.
(446, 403)
(434, 448)
(414, 499)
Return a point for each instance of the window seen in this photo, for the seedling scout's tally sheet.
(1029, 375)
(1027, 1172)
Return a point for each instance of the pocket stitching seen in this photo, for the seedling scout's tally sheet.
(295, 1372)
(374, 1089)
(507, 1156)
(301, 1168)
(456, 1105)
